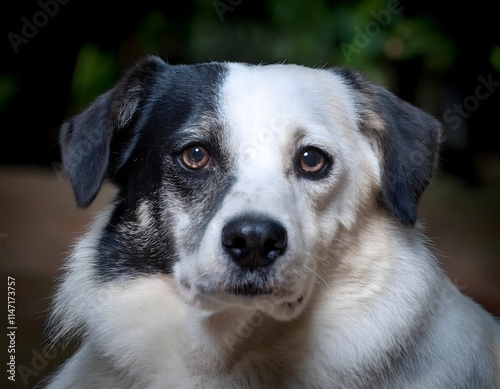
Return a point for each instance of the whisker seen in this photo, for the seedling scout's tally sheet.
(325, 284)
(201, 275)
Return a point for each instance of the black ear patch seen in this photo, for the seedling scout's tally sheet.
(409, 142)
(86, 139)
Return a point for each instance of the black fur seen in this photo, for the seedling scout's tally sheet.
(97, 142)
(85, 141)
(410, 146)
(132, 136)
(409, 143)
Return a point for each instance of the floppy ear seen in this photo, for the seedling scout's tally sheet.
(408, 140)
(108, 123)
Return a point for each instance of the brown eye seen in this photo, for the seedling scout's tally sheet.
(195, 157)
(312, 160)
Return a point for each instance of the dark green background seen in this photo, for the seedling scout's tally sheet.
(430, 55)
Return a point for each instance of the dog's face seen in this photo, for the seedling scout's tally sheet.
(237, 181)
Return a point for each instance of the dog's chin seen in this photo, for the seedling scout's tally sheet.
(280, 306)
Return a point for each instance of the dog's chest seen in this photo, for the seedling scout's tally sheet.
(250, 355)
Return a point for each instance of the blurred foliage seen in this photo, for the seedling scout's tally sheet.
(153, 33)
(370, 35)
(419, 51)
(365, 34)
(495, 58)
(94, 73)
(9, 86)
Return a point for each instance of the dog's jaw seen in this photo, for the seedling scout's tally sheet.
(278, 305)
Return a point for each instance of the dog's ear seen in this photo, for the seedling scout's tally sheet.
(107, 124)
(409, 141)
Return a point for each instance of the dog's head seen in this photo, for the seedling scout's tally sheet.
(236, 181)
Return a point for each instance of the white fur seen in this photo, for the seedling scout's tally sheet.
(364, 280)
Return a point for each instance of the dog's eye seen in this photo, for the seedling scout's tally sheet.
(312, 160)
(195, 157)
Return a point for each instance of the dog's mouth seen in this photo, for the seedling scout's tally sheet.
(250, 290)
(278, 307)
(246, 283)
(250, 283)
(250, 287)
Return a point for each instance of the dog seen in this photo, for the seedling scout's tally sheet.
(264, 234)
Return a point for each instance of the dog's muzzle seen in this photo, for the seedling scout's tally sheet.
(254, 241)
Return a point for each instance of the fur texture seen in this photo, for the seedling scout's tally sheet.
(323, 280)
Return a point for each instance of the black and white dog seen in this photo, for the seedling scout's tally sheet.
(264, 236)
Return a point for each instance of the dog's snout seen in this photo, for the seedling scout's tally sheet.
(254, 241)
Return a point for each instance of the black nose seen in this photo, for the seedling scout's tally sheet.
(254, 241)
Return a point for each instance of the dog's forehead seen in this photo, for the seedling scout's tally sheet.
(279, 101)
